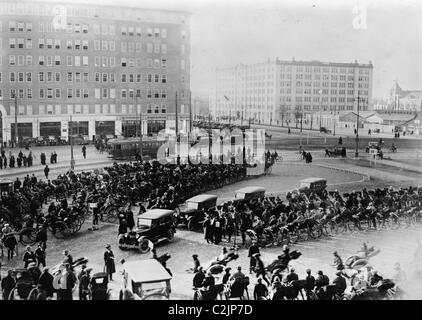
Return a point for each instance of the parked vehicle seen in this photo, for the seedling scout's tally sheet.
(324, 130)
(99, 287)
(78, 139)
(193, 216)
(155, 225)
(249, 193)
(6, 187)
(309, 185)
(145, 279)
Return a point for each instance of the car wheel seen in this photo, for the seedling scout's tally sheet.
(191, 225)
(170, 236)
(143, 245)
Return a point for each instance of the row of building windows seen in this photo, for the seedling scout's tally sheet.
(22, 26)
(77, 61)
(309, 69)
(56, 93)
(85, 109)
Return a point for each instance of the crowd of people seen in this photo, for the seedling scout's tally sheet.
(12, 162)
(301, 210)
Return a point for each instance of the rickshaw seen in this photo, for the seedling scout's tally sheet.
(145, 279)
(193, 216)
(99, 287)
(249, 193)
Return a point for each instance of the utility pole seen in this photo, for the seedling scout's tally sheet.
(72, 160)
(357, 130)
(140, 126)
(320, 109)
(16, 118)
(334, 125)
(177, 134)
(190, 112)
(209, 138)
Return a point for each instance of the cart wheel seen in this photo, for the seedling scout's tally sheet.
(33, 294)
(112, 215)
(62, 231)
(28, 236)
(191, 225)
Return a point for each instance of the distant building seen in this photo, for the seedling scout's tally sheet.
(281, 90)
(200, 106)
(407, 100)
(104, 66)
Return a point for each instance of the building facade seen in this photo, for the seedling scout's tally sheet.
(106, 67)
(284, 90)
(405, 100)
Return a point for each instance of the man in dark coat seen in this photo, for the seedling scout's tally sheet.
(46, 282)
(122, 227)
(7, 284)
(310, 282)
(42, 157)
(46, 171)
(208, 234)
(252, 250)
(110, 267)
(130, 221)
(198, 278)
(84, 284)
(260, 268)
(40, 255)
(260, 290)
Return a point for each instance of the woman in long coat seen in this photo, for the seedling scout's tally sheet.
(110, 268)
(208, 230)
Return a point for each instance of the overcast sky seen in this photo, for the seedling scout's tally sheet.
(227, 32)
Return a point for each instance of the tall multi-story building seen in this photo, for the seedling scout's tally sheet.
(280, 90)
(108, 67)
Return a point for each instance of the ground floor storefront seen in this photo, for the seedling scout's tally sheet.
(87, 127)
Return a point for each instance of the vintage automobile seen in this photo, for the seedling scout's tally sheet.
(324, 130)
(6, 187)
(309, 185)
(145, 279)
(193, 215)
(249, 193)
(98, 289)
(153, 226)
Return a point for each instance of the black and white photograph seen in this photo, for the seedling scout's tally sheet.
(198, 150)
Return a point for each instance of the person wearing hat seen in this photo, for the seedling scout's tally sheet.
(7, 284)
(260, 268)
(322, 280)
(338, 262)
(238, 275)
(292, 276)
(67, 257)
(198, 278)
(46, 282)
(196, 263)
(226, 276)
(109, 265)
(340, 282)
(260, 290)
(253, 249)
(309, 282)
(208, 280)
(84, 284)
(34, 271)
(40, 255)
(28, 257)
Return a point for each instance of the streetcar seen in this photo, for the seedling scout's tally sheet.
(130, 148)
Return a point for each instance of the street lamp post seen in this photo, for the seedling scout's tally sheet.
(72, 160)
(334, 125)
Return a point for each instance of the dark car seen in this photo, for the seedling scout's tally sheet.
(324, 130)
(309, 185)
(193, 216)
(78, 139)
(155, 225)
(249, 193)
